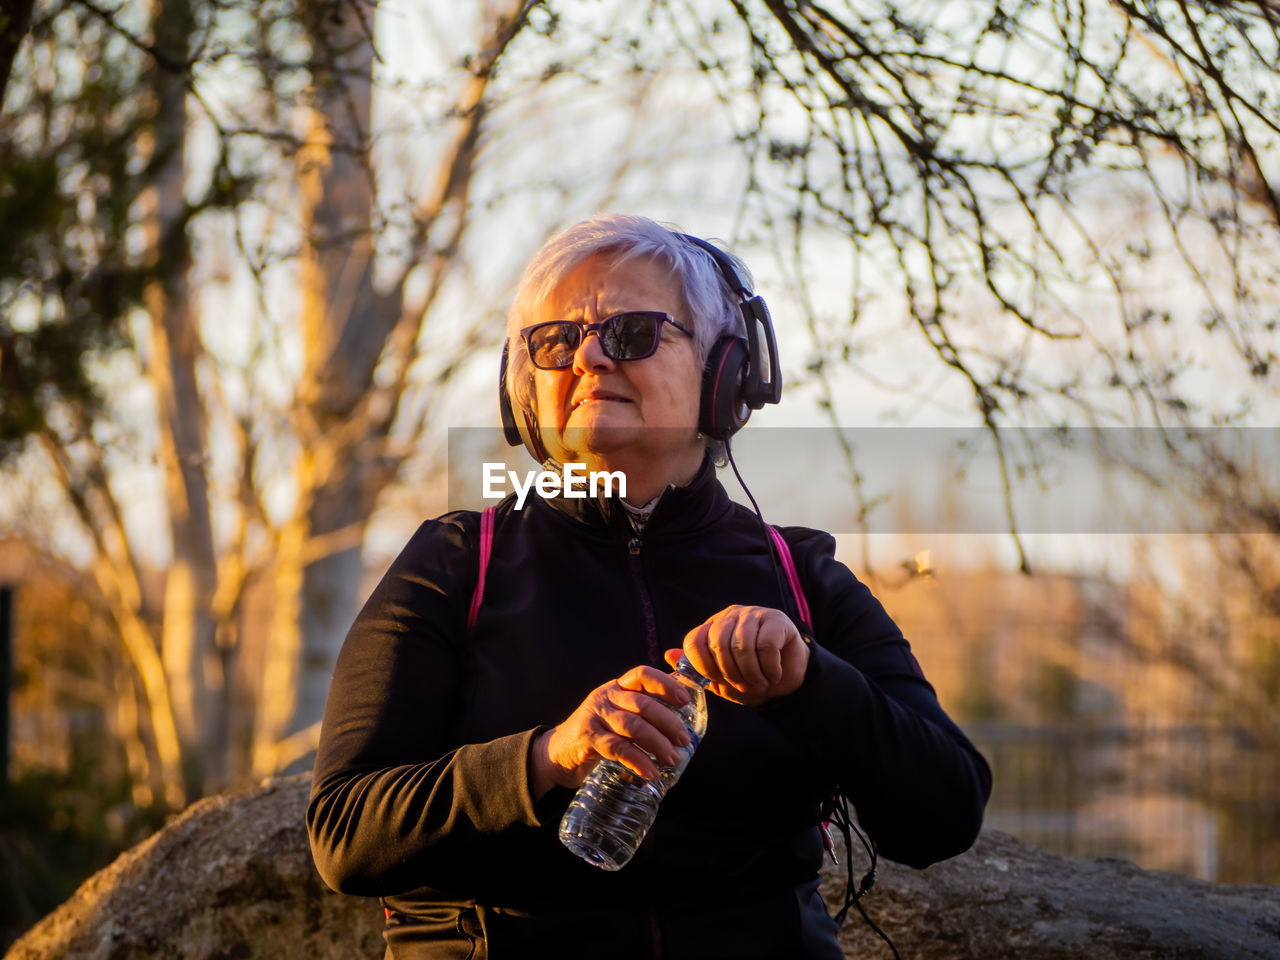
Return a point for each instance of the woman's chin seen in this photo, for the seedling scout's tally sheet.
(631, 447)
(598, 439)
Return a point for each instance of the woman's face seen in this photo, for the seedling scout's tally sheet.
(619, 411)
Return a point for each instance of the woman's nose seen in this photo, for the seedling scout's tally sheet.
(590, 355)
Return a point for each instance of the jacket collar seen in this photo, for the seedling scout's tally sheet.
(678, 510)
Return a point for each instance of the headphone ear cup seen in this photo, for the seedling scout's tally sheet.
(517, 426)
(510, 430)
(723, 411)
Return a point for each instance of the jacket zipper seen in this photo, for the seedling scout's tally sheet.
(651, 644)
(646, 602)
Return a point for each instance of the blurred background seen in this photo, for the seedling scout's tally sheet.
(254, 263)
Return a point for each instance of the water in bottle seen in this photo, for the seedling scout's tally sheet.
(614, 808)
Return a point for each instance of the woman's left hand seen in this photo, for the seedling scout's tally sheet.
(750, 654)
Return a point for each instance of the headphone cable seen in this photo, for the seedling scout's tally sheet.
(854, 892)
(783, 589)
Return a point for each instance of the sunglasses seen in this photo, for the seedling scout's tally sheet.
(632, 335)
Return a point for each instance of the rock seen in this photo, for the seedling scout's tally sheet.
(232, 879)
(1008, 900)
(229, 879)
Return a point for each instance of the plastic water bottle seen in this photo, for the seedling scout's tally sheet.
(615, 807)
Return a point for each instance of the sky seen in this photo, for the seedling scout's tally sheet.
(553, 157)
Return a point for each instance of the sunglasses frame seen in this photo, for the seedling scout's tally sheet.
(597, 328)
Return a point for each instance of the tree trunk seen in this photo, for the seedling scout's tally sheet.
(15, 21)
(331, 585)
(188, 632)
(344, 330)
(344, 418)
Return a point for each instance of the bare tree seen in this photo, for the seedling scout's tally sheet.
(251, 164)
(965, 147)
(1074, 200)
(343, 415)
(181, 641)
(1012, 174)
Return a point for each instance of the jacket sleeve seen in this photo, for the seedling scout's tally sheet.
(389, 792)
(873, 722)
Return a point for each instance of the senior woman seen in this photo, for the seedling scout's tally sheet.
(452, 744)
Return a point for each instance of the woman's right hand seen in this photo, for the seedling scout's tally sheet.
(621, 720)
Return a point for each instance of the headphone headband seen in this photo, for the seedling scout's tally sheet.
(762, 382)
(727, 267)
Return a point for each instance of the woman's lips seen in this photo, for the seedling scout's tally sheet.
(600, 397)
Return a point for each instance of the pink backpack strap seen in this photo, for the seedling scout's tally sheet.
(793, 579)
(486, 548)
(802, 607)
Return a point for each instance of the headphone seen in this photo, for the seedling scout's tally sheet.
(740, 374)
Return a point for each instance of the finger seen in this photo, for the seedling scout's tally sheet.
(795, 662)
(775, 632)
(699, 654)
(673, 656)
(722, 635)
(745, 648)
(631, 755)
(655, 683)
(646, 736)
(655, 728)
(650, 710)
(727, 692)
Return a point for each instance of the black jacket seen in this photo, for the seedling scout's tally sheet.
(421, 791)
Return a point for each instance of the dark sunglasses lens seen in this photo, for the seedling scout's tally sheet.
(630, 336)
(552, 345)
(624, 336)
